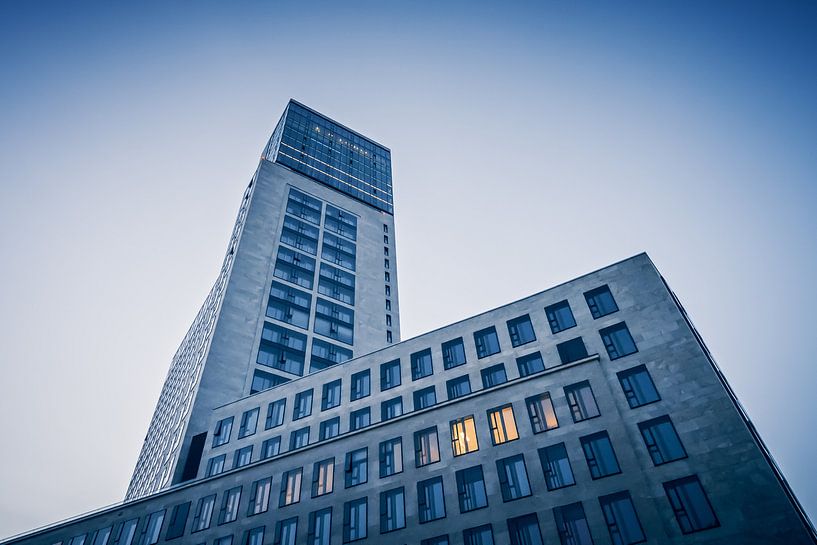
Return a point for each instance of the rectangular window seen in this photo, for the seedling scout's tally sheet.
(275, 414)
(361, 385)
(175, 528)
(388, 304)
(618, 341)
(242, 456)
(325, 354)
(359, 419)
(389, 375)
(249, 423)
(425, 398)
(295, 267)
(621, 519)
(388, 337)
(340, 222)
(355, 520)
(285, 531)
(329, 428)
(556, 467)
(471, 489)
(215, 465)
(339, 251)
(662, 440)
(320, 527)
(581, 401)
(290, 487)
(391, 408)
(303, 405)
(261, 380)
(204, 512)
(601, 458)
(221, 435)
(334, 321)
(437, 540)
(525, 530)
(638, 386)
(126, 532)
(224, 540)
(458, 387)
(453, 353)
(282, 349)
(426, 447)
(392, 510)
(150, 533)
(421, 365)
(357, 467)
(600, 302)
(259, 496)
(229, 505)
(493, 375)
(571, 524)
(487, 342)
(330, 397)
(391, 457)
(560, 316)
(254, 536)
(303, 206)
(290, 305)
(463, 436)
(541, 413)
(572, 350)
(690, 504)
(299, 438)
(323, 477)
(503, 424)
(336, 284)
(101, 536)
(521, 330)
(530, 364)
(430, 499)
(513, 477)
(481, 535)
(271, 447)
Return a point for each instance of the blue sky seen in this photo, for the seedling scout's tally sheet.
(531, 142)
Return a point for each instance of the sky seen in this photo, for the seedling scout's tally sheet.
(531, 143)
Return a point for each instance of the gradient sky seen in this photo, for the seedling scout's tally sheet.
(531, 143)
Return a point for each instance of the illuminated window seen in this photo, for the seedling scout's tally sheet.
(503, 424)
(541, 413)
(464, 436)
(290, 487)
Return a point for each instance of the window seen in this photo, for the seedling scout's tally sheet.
(471, 489)
(355, 519)
(229, 505)
(513, 477)
(560, 317)
(249, 423)
(254, 536)
(259, 496)
(463, 436)
(481, 535)
(571, 524)
(285, 531)
(487, 342)
(357, 467)
(338, 251)
(662, 440)
(388, 304)
(638, 386)
(391, 457)
(320, 527)
(392, 510)
(290, 305)
(299, 438)
(430, 499)
(325, 354)
(204, 512)
(389, 375)
(295, 267)
(359, 419)
(275, 414)
(388, 291)
(330, 397)
(690, 504)
(425, 398)
(361, 385)
(175, 528)
(525, 530)
(572, 350)
(458, 387)
(388, 320)
(336, 284)
(437, 540)
(503, 424)
(242, 456)
(618, 341)
(334, 321)
(530, 364)
(556, 467)
(303, 405)
(329, 429)
(323, 477)
(581, 401)
(215, 465)
(621, 519)
(386, 266)
(453, 353)
(341, 222)
(271, 447)
(493, 375)
(261, 380)
(290, 487)
(150, 533)
(282, 349)
(426, 447)
(391, 408)
(521, 331)
(601, 458)
(541, 413)
(303, 206)
(224, 540)
(601, 302)
(221, 435)
(388, 337)
(421, 365)
(100, 537)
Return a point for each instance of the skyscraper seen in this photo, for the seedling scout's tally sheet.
(589, 413)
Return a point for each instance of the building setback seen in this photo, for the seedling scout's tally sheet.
(591, 412)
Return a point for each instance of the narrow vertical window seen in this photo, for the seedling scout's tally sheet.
(392, 510)
(229, 505)
(320, 527)
(259, 496)
(391, 457)
(355, 520)
(204, 512)
(275, 414)
(330, 396)
(221, 435)
(361, 385)
(303, 405)
(249, 423)
(323, 477)
(357, 467)
(389, 375)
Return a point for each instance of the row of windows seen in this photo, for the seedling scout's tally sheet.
(387, 280)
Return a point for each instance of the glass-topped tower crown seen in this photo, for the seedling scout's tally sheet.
(332, 154)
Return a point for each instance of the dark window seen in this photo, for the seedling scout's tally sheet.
(259, 496)
(388, 304)
(638, 386)
(357, 467)
(337, 284)
(392, 510)
(290, 305)
(425, 398)
(560, 317)
(436, 540)
(389, 338)
(471, 489)
(215, 465)
(430, 499)
(621, 519)
(338, 251)
(426, 447)
(282, 349)
(541, 413)
(391, 457)
(299, 438)
(525, 530)
(178, 520)
(389, 374)
(221, 435)
(359, 419)
(453, 353)
(340, 222)
(150, 532)
(480, 535)
(271, 447)
(326, 354)
(300, 235)
(421, 364)
(330, 397)
(320, 527)
(290, 487)
(355, 519)
(295, 267)
(690, 504)
(521, 330)
(601, 302)
(503, 424)
(329, 429)
(285, 531)
(242, 456)
(204, 512)
(618, 341)
(323, 477)
(303, 206)
(261, 380)
(249, 423)
(662, 440)
(513, 477)
(601, 458)
(254, 536)
(275, 413)
(493, 375)
(334, 321)
(530, 364)
(361, 385)
(303, 405)
(229, 505)
(581, 401)
(572, 350)
(571, 524)
(458, 387)
(487, 342)
(391, 408)
(556, 466)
